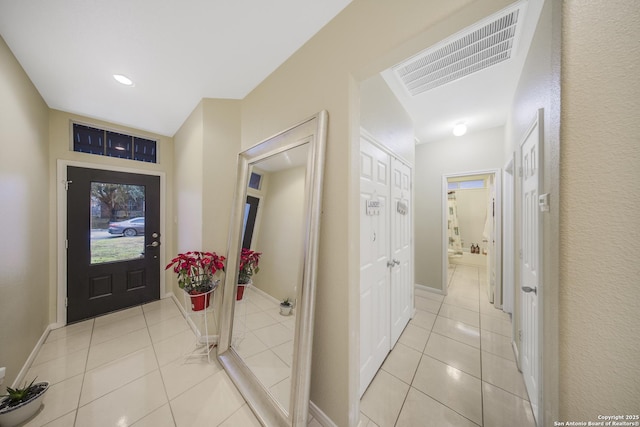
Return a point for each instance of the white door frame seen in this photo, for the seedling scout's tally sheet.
(61, 238)
(508, 236)
(537, 125)
(497, 173)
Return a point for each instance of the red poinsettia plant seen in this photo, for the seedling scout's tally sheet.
(248, 265)
(196, 270)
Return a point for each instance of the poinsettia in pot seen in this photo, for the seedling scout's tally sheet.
(196, 275)
(249, 261)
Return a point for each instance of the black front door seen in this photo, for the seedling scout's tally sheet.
(113, 239)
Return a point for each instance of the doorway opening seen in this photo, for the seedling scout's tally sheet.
(472, 225)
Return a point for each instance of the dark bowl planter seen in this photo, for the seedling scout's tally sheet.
(14, 414)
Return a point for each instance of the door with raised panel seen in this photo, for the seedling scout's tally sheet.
(386, 256)
(375, 274)
(113, 241)
(530, 263)
(401, 236)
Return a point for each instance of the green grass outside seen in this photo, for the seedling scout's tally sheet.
(116, 249)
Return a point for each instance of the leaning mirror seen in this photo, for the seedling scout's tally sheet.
(264, 347)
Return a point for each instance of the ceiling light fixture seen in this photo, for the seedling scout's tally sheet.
(459, 129)
(123, 79)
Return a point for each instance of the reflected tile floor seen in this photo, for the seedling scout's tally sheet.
(452, 366)
(128, 369)
(264, 338)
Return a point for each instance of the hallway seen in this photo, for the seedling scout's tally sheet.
(452, 366)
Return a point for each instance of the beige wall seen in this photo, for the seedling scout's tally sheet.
(220, 160)
(280, 236)
(472, 215)
(472, 152)
(205, 160)
(358, 42)
(600, 230)
(24, 254)
(188, 181)
(384, 118)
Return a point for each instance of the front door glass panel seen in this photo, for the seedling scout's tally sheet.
(117, 222)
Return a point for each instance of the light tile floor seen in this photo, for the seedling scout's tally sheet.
(264, 338)
(127, 369)
(452, 366)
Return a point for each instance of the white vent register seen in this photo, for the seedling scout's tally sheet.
(482, 45)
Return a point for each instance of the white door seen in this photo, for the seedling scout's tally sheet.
(375, 276)
(401, 236)
(531, 163)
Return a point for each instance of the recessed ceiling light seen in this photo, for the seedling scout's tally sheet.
(123, 79)
(459, 129)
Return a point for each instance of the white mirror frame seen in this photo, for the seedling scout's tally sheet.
(268, 411)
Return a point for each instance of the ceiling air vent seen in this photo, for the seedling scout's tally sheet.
(482, 45)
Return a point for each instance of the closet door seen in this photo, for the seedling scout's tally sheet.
(401, 237)
(375, 275)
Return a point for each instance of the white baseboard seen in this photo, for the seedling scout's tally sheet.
(271, 298)
(516, 354)
(320, 416)
(27, 364)
(429, 289)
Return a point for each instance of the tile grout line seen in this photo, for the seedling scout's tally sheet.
(480, 333)
(164, 386)
(480, 351)
(404, 401)
(424, 354)
(443, 403)
(84, 372)
(115, 360)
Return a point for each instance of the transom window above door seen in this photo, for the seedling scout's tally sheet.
(87, 139)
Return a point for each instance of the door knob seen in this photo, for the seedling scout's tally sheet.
(528, 289)
(390, 263)
(396, 262)
(153, 245)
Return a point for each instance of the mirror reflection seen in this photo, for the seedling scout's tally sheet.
(273, 232)
(265, 346)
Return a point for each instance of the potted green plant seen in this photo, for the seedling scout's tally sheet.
(249, 261)
(285, 307)
(21, 403)
(196, 275)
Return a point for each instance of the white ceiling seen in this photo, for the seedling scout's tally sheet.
(481, 100)
(176, 52)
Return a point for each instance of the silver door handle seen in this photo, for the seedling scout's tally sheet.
(396, 262)
(390, 264)
(528, 289)
(153, 245)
